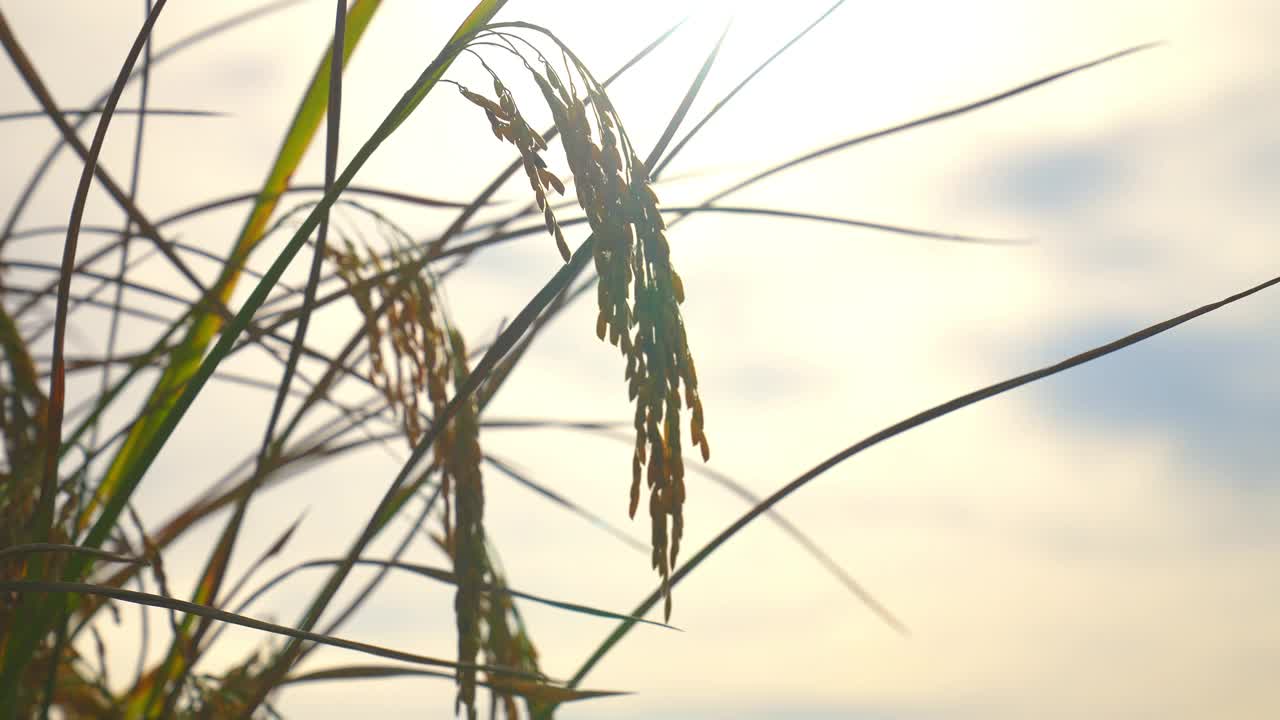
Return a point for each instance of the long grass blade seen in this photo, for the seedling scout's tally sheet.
(898, 428)
(685, 103)
(333, 120)
(63, 547)
(272, 550)
(737, 88)
(849, 222)
(928, 119)
(566, 503)
(135, 176)
(238, 198)
(160, 112)
(855, 588)
(537, 693)
(448, 577)
(168, 603)
(680, 211)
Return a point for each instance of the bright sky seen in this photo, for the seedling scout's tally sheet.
(1098, 545)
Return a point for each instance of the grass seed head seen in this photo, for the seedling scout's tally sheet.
(638, 293)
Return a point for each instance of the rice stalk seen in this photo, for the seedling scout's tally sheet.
(639, 292)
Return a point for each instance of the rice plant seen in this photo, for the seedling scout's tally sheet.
(71, 543)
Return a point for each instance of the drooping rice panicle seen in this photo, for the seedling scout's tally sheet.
(639, 292)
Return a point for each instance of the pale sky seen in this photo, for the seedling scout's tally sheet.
(1102, 544)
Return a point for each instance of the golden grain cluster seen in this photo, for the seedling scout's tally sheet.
(638, 293)
(412, 328)
(414, 353)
